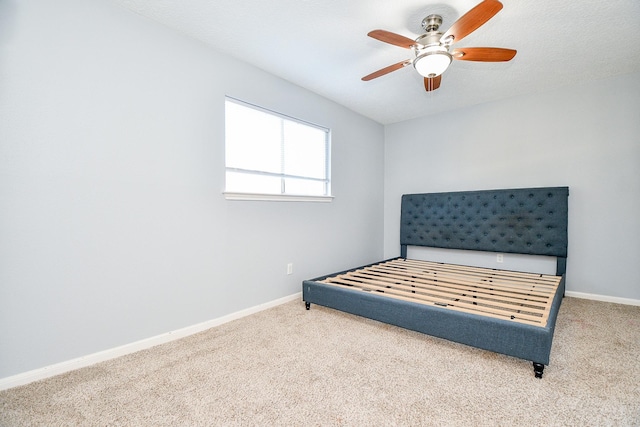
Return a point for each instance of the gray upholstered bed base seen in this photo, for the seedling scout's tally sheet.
(526, 221)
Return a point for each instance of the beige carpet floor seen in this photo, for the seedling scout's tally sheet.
(291, 367)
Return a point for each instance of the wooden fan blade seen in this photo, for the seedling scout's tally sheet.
(392, 38)
(484, 54)
(472, 20)
(386, 70)
(432, 83)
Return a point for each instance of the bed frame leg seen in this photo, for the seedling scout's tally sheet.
(537, 369)
(307, 305)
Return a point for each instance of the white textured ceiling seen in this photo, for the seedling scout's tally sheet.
(322, 45)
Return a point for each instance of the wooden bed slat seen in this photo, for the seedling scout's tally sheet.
(525, 300)
(488, 278)
(445, 304)
(455, 289)
(495, 307)
(516, 277)
(475, 271)
(470, 269)
(443, 279)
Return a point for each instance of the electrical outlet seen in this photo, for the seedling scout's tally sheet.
(290, 268)
(500, 258)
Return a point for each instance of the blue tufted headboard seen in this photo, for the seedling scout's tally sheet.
(525, 221)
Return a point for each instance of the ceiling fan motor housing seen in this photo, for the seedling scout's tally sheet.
(428, 40)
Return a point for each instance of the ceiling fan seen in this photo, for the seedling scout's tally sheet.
(432, 50)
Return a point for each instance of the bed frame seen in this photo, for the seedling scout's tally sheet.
(512, 313)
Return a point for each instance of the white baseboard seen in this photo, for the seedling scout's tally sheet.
(91, 359)
(603, 298)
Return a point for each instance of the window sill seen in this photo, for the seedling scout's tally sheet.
(276, 197)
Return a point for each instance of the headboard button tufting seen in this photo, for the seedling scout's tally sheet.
(530, 221)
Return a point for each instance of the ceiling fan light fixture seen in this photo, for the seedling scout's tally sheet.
(432, 61)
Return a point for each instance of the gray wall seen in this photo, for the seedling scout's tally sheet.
(113, 226)
(586, 136)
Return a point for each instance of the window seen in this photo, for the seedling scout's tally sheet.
(272, 156)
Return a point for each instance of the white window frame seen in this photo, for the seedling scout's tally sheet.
(283, 196)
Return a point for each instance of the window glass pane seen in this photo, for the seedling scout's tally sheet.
(255, 139)
(304, 150)
(247, 183)
(263, 150)
(304, 187)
